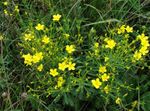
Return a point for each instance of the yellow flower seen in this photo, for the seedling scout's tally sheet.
(27, 59)
(129, 29)
(5, 3)
(145, 43)
(37, 57)
(39, 27)
(70, 48)
(28, 37)
(144, 50)
(142, 37)
(56, 17)
(121, 29)
(96, 45)
(102, 69)
(137, 55)
(118, 101)
(60, 82)
(40, 67)
(105, 77)
(110, 43)
(96, 83)
(71, 66)
(45, 40)
(16, 8)
(106, 89)
(5, 12)
(53, 72)
(62, 66)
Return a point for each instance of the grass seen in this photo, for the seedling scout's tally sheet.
(84, 15)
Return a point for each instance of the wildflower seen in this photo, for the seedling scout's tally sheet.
(70, 48)
(62, 66)
(121, 29)
(106, 89)
(27, 59)
(118, 101)
(39, 27)
(56, 17)
(110, 43)
(144, 50)
(60, 82)
(142, 37)
(53, 72)
(71, 66)
(96, 45)
(5, 3)
(105, 77)
(144, 44)
(5, 12)
(129, 29)
(28, 37)
(137, 55)
(16, 8)
(96, 83)
(45, 40)
(40, 67)
(37, 57)
(102, 69)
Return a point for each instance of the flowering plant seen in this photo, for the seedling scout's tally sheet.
(65, 67)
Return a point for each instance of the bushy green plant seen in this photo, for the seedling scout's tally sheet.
(70, 68)
(52, 59)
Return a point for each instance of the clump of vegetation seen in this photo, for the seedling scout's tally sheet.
(53, 61)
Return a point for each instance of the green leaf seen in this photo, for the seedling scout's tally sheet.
(145, 100)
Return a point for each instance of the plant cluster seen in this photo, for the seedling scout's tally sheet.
(62, 70)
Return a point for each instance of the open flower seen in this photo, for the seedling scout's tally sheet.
(45, 40)
(129, 29)
(56, 17)
(102, 69)
(37, 57)
(28, 37)
(27, 59)
(62, 66)
(71, 66)
(137, 55)
(53, 72)
(39, 27)
(96, 83)
(70, 48)
(105, 77)
(110, 43)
